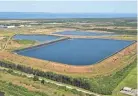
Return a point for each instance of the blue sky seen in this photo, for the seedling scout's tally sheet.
(69, 6)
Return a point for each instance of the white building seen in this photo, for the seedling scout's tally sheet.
(129, 91)
(10, 26)
(21, 26)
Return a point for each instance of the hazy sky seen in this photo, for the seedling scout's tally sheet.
(69, 6)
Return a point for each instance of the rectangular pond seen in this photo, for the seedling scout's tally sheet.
(77, 51)
(82, 33)
(38, 38)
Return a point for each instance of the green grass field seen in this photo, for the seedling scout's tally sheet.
(129, 81)
(25, 41)
(13, 90)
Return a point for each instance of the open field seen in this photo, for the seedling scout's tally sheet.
(32, 87)
(25, 41)
(17, 90)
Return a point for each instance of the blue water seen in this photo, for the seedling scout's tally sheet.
(82, 33)
(39, 38)
(38, 15)
(77, 51)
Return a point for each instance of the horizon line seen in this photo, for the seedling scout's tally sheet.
(64, 12)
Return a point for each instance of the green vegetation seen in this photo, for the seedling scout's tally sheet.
(126, 32)
(36, 78)
(106, 84)
(13, 90)
(103, 84)
(79, 82)
(21, 79)
(25, 41)
(43, 81)
(129, 81)
(115, 21)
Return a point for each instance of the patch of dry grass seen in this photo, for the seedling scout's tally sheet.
(31, 85)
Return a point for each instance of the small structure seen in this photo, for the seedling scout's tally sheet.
(129, 91)
(21, 26)
(7, 26)
(10, 26)
(28, 25)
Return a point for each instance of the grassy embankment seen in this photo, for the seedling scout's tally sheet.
(129, 81)
(107, 84)
(20, 44)
(13, 44)
(13, 90)
(25, 41)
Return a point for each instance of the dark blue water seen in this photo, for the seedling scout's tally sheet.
(77, 51)
(82, 33)
(39, 38)
(37, 15)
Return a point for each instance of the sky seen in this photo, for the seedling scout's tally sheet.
(69, 6)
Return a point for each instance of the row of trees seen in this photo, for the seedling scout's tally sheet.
(79, 82)
(128, 32)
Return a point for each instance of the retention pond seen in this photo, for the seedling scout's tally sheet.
(38, 38)
(82, 33)
(77, 51)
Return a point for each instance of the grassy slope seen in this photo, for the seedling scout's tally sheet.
(32, 86)
(25, 41)
(13, 90)
(129, 81)
(106, 84)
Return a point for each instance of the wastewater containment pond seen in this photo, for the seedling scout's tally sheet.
(38, 38)
(83, 33)
(77, 51)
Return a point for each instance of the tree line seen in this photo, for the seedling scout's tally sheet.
(79, 82)
(127, 32)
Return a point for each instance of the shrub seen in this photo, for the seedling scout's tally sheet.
(42, 81)
(36, 78)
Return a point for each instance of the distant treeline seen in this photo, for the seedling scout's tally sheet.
(116, 31)
(127, 32)
(114, 21)
(102, 84)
